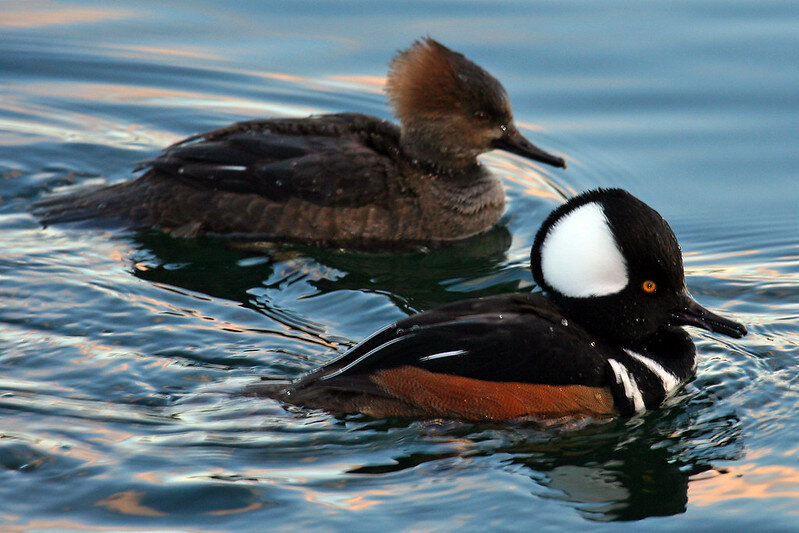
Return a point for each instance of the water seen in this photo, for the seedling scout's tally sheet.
(120, 352)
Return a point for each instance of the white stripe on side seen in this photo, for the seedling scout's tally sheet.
(627, 381)
(361, 358)
(442, 354)
(669, 380)
(367, 339)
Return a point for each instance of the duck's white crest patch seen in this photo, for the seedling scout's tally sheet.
(670, 381)
(580, 257)
(627, 381)
(442, 354)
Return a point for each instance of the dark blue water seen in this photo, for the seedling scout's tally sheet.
(120, 352)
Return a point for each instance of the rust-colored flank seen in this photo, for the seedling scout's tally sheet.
(450, 396)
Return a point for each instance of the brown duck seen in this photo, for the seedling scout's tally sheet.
(346, 179)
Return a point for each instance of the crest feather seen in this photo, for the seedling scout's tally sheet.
(428, 80)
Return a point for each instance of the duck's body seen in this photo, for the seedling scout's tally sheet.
(293, 179)
(608, 341)
(495, 358)
(343, 178)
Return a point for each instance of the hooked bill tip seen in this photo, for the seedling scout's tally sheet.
(694, 314)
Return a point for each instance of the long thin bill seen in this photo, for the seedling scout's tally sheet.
(514, 142)
(693, 314)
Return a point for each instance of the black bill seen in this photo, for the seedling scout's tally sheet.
(693, 314)
(514, 142)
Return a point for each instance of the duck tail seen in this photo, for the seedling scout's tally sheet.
(81, 205)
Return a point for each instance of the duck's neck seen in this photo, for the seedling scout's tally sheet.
(432, 146)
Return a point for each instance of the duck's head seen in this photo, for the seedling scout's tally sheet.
(451, 110)
(614, 266)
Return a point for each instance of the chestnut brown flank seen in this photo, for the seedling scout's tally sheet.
(473, 399)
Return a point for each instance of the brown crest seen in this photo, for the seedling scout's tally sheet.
(429, 80)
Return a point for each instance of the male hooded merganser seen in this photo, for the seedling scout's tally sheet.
(340, 178)
(605, 338)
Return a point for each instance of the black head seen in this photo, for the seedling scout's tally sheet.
(452, 109)
(614, 266)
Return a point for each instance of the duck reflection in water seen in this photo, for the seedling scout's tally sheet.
(212, 267)
(618, 471)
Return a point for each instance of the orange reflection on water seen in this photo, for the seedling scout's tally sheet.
(105, 436)
(84, 127)
(281, 76)
(700, 256)
(370, 84)
(749, 481)
(529, 179)
(72, 126)
(150, 51)
(152, 477)
(70, 525)
(110, 92)
(322, 484)
(779, 274)
(529, 126)
(222, 512)
(128, 502)
(365, 499)
(38, 14)
(88, 456)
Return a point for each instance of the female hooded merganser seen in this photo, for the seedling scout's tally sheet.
(605, 338)
(342, 178)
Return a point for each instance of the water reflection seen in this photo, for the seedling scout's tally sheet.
(195, 498)
(746, 481)
(413, 280)
(111, 413)
(616, 471)
(40, 14)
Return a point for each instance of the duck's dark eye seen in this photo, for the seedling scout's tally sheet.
(482, 116)
(649, 286)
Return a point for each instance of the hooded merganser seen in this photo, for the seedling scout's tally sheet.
(340, 178)
(604, 338)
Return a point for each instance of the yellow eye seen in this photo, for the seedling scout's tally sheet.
(649, 286)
